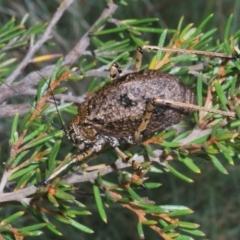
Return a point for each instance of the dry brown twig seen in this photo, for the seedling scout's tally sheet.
(140, 214)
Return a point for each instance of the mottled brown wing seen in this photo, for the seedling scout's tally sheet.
(117, 109)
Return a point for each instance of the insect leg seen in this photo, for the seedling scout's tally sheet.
(193, 107)
(138, 136)
(125, 158)
(144, 123)
(189, 51)
(140, 50)
(115, 71)
(77, 158)
(138, 59)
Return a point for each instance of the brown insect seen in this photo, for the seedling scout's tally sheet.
(132, 106)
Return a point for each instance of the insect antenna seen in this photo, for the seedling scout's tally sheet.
(44, 116)
(55, 103)
(233, 56)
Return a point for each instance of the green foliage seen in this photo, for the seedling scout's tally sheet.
(37, 149)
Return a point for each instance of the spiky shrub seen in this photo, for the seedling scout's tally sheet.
(37, 149)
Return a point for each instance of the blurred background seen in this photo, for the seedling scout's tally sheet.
(80, 16)
(214, 197)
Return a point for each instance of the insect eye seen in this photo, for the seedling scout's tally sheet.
(99, 121)
(81, 146)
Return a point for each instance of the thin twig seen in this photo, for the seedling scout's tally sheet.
(33, 49)
(11, 110)
(18, 195)
(84, 42)
(33, 78)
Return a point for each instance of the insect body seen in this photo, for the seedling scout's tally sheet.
(130, 107)
(120, 108)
